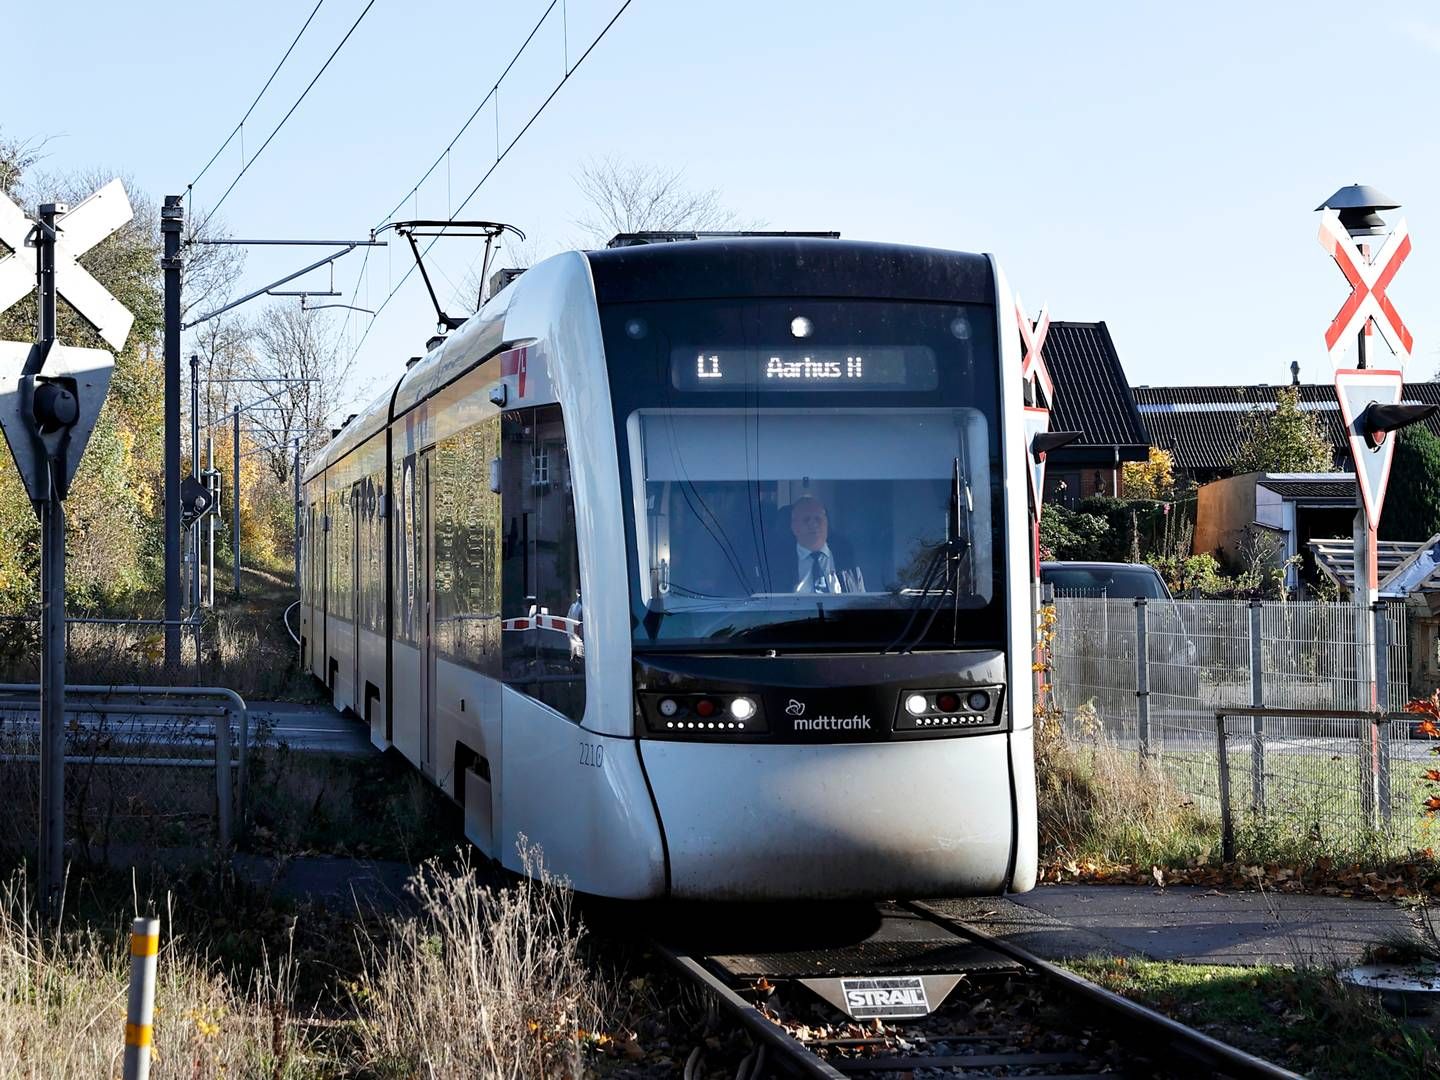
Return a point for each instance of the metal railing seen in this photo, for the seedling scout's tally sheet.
(147, 766)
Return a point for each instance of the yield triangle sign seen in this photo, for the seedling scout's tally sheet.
(1037, 422)
(1357, 391)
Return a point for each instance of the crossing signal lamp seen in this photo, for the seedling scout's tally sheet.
(1377, 421)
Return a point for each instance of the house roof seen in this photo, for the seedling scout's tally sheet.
(1200, 425)
(1092, 395)
(1342, 488)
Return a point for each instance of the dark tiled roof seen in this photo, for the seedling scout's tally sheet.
(1091, 392)
(1200, 425)
(1313, 489)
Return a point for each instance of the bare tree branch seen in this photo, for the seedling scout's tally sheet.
(630, 197)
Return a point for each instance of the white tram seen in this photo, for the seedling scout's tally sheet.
(703, 566)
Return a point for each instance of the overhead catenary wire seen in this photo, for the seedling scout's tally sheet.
(503, 154)
(190, 187)
(444, 155)
(289, 113)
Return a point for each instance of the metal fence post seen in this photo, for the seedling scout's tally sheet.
(1257, 699)
(1142, 677)
(1227, 823)
(140, 1017)
(224, 786)
(1380, 729)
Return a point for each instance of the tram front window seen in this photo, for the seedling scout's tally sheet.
(758, 519)
(807, 473)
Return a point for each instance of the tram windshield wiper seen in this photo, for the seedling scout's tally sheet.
(943, 568)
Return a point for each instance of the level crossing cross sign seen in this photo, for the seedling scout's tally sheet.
(1357, 390)
(1369, 279)
(81, 229)
(1032, 363)
(79, 376)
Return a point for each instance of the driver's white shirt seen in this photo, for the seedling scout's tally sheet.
(805, 566)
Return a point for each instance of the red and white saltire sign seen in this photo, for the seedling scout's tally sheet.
(1357, 391)
(1369, 279)
(516, 362)
(1037, 422)
(1032, 363)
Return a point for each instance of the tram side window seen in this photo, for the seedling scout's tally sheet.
(467, 530)
(543, 637)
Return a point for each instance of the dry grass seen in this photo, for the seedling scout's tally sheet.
(477, 982)
(66, 994)
(485, 982)
(1104, 804)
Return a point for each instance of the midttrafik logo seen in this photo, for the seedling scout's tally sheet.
(795, 708)
(833, 723)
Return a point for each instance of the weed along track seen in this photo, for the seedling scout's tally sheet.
(904, 990)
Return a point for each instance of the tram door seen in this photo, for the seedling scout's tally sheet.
(426, 529)
(357, 498)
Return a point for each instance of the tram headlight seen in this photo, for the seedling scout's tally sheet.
(978, 700)
(916, 704)
(742, 708)
(726, 714)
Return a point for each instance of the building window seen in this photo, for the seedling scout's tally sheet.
(540, 465)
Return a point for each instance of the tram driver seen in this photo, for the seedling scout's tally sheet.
(821, 563)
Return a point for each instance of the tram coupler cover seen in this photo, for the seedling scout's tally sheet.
(884, 997)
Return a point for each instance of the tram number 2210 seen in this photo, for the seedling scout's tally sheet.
(592, 754)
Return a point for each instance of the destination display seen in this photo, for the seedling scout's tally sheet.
(903, 367)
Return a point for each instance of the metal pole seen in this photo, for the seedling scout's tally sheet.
(235, 505)
(172, 223)
(297, 515)
(1380, 730)
(194, 475)
(140, 1017)
(211, 474)
(52, 599)
(1257, 699)
(1227, 822)
(1142, 677)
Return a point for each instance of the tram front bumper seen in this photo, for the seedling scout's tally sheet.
(783, 822)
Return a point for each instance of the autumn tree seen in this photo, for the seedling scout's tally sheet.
(1153, 478)
(1286, 439)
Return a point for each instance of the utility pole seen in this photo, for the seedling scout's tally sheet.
(195, 593)
(297, 515)
(235, 504)
(61, 411)
(172, 223)
(212, 480)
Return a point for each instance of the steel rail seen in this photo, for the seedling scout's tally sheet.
(766, 1031)
(1221, 1058)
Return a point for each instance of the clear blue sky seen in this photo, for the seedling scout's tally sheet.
(1152, 166)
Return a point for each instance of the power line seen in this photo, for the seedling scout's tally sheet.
(496, 164)
(189, 188)
(444, 154)
(303, 94)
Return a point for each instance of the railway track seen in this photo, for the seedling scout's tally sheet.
(917, 993)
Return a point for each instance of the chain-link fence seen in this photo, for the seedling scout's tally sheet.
(148, 770)
(1314, 767)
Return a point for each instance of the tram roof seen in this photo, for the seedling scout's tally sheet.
(722, 267)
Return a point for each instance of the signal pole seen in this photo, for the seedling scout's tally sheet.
(235, 503)
(52, 580)
(172, 223)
